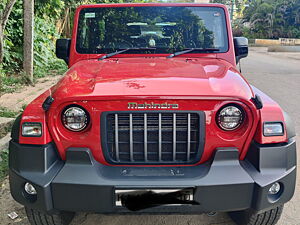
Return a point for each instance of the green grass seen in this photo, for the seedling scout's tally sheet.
(55, 68)
(4, 131)
(3, 165)
(10, 82)
(4, 112)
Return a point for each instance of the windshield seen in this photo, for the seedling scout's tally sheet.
(167, 29)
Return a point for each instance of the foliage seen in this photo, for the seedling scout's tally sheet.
(11, 82)
(4, 112)
(44, 45)
(13, 40)
(43, 8)
(265, 18)
(273, 19)
(45, 35)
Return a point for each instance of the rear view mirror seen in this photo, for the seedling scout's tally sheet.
(240, 48)
(63, 49)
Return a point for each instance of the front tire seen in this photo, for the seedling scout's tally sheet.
(39, 218)
(247, 217)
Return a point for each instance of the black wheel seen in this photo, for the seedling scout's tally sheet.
(246, 217)
(39, 218)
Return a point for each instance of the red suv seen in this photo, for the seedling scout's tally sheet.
(153, 117)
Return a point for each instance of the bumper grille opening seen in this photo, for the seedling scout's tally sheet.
(153, 137)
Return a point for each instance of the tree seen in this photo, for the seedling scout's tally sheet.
(273, 19)
(263, 19)
(4, 15)
(28, 38)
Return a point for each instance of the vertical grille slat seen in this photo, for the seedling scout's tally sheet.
(188, 138)
(159, 137)
(154, 137)
(145, 138)
(131, 137)
(117, 137)
(174, 136)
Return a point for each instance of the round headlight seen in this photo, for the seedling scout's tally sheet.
(230, 117)
(75, 118)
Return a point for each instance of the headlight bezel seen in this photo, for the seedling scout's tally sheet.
(240, 122)
(87, 118)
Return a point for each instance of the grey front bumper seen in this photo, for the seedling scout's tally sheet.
(82, 184)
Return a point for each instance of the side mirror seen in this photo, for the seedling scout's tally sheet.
(240, 48)
(63, 49)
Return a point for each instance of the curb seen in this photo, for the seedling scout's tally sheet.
(284, 49)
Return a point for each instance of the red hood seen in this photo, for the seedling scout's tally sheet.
(199, 77)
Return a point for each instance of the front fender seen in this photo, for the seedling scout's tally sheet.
(272, 112)
(33, 113)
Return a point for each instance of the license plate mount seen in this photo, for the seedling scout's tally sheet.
(184, 195)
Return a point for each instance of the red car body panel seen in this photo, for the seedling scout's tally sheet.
(152, 77)
(270, 112)
(200, 82)
(35, 113)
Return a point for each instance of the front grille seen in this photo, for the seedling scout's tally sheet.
(153, 137)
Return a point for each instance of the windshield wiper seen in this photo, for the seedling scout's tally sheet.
(124, 50)
(192, 50)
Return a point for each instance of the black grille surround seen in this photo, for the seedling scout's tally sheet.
(152, 137)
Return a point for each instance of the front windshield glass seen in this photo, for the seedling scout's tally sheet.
(167, 29)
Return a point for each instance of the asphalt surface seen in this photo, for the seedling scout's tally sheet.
(278, 75)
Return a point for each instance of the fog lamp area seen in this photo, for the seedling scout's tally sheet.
(30, 189)
(273, 129)
(31, 129)
(275, 192)
(274, 189)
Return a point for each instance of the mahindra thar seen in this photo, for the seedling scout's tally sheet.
(152, 116)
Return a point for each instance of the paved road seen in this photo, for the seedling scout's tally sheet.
(277, 74)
